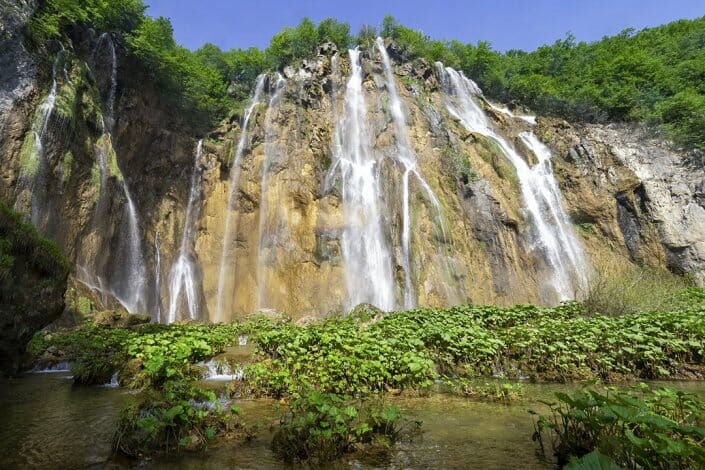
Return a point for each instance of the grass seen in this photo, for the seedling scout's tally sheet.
(622, 288)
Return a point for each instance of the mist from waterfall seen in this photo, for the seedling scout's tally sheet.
(553, 237)
(183, 279)
(235, 170)
(268, 235)
(366, 254)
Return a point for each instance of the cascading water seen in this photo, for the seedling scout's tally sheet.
(158, 276)
(267, 234)
(541, 195)
(366, 255)
(406, 157)
(183, 290)
(34, 181)
(129, 278)
(235, 170)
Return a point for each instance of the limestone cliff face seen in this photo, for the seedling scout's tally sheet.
(629, 198)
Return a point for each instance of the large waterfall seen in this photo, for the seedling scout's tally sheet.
(341, 187)
(126, 272)
(183, 279)
(553, 237)
(235, 169)
(366, 253)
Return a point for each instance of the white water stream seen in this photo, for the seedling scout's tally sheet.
(366, 253)
(268, 235)
(553, 237)
(235, 171)
(183, 288)
(406, 157)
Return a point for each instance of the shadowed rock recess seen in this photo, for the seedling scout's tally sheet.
(356, 178)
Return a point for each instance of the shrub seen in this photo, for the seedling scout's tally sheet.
(321, 427)
(617, 289)
(177, 417)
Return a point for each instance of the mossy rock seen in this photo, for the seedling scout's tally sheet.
(34, 273)
(120, 319)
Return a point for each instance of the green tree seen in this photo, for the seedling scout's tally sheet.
(336, 32)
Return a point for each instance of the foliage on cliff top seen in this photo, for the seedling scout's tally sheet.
(655, 75)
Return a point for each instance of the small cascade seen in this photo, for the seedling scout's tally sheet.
(114, 382)
(158, 276)
(235, 170)
(406, 157)
(183, 289)
(366, 254)
(268, 235)
(220, 370)
(541, 195)
(64, 366)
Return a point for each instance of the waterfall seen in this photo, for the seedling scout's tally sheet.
(182, 280)
(158, 276)
(129, 278)
(34, 173)
(541, 195)
(267, 234)
(563, 240)
(235, 170)
(406, 157)
(130, 274)
(366, 255)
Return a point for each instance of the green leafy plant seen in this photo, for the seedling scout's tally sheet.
(177, 417)
(655, 429)
(321, 427)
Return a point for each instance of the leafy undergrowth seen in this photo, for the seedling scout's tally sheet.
(656, 429)
(177, 417)
(321, 427)
(358, 355)
(366, 352)
(318, 367)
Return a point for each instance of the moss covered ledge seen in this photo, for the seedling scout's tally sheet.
(33, 274)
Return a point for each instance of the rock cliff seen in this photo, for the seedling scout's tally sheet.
(452, 212)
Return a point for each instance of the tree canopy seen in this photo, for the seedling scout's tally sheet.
(656, 75)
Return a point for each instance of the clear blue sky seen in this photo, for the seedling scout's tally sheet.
(507, 24)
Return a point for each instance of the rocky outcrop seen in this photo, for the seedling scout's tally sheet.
(670, 195)
(18, 90)
(33, 275)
